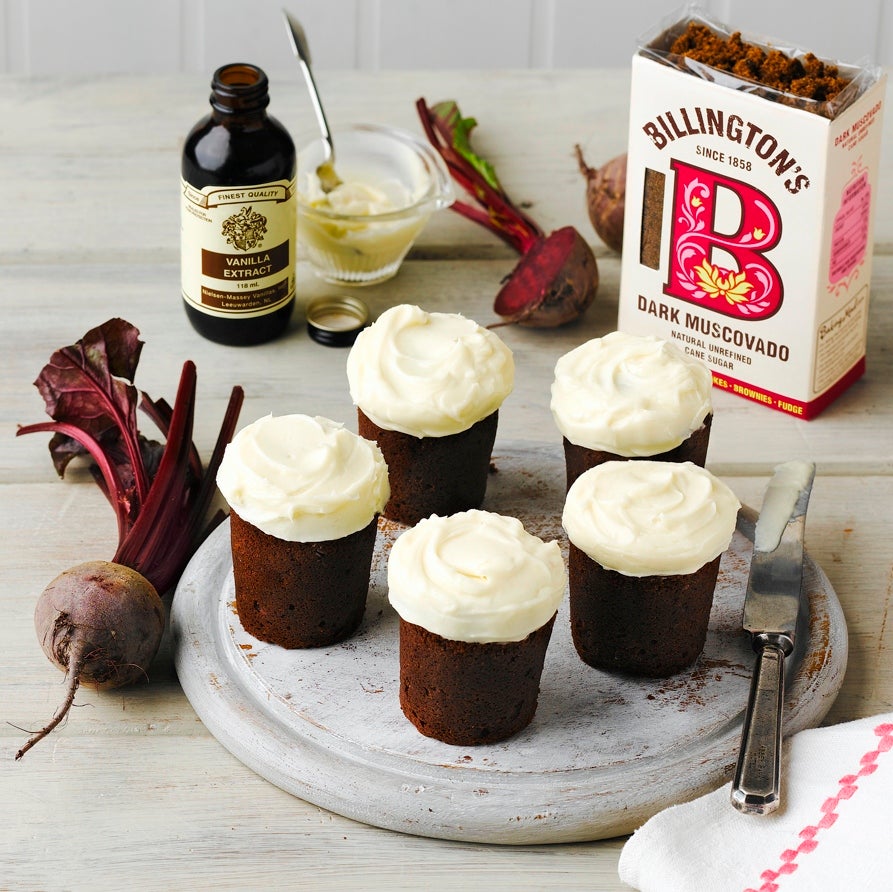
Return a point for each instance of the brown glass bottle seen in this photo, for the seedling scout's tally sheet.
(238, 214)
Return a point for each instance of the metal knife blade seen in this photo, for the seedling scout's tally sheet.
(771, 605)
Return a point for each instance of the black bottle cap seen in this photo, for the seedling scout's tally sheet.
(336, 321)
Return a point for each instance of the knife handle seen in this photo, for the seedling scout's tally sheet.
(757, 784)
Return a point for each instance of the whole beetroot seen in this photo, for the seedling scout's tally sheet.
(605, 197)
(101, 623)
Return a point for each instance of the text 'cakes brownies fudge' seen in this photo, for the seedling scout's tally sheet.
(629, 396)
(477, 597)
(428, 387)
(646, 538)
(305, 495)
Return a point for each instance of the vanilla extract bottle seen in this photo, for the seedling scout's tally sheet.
(237, 214)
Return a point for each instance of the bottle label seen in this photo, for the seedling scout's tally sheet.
(238, 247)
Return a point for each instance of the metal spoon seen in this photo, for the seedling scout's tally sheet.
(328, 179)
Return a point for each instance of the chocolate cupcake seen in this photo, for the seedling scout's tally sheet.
(305, 495)
(624, 396)
(646, 538)
(428, 387)
(477, 597)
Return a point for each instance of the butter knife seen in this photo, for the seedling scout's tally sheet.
(771, 605)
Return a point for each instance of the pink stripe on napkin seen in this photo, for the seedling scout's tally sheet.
(832, 832)
(847, 787)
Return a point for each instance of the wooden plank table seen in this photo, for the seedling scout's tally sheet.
(133, 792)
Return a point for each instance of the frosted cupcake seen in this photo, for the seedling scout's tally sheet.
(646, 538)
(626, 396)
(428, 387)
(305, 495)
(477, 597)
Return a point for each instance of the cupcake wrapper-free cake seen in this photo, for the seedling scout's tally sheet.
(646, 538)
(477, 597)
(428, 387)
(305, 495)
(624, 396)
(434, 475)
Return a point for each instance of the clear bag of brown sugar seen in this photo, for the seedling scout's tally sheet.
(692, 41)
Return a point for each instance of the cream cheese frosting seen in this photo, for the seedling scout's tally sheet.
(365, 195)
(303, 479)
(475, 576)
(630, 395)
(650, 518)
(788, 481)
(428, 374)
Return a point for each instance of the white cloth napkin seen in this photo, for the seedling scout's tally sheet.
(833, 830)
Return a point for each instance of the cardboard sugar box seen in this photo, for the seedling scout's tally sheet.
(749, 211)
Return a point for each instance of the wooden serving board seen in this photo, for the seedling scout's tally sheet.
(602, 754)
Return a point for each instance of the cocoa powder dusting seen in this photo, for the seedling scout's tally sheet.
(686, 690)
(807, 77)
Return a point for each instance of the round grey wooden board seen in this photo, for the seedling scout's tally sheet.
(603, 752)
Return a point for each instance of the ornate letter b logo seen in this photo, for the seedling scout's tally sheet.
(698, 273)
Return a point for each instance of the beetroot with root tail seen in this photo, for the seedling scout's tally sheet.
(552, 284)
(606, 198)
(557, 276)
(101, 623)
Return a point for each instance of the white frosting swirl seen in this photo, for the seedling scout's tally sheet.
(630, 395)
(364, 197)
(428, 374)
(303, 479)
(475, 576)
(650, 518)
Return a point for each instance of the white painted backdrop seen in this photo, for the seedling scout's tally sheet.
(89, 37)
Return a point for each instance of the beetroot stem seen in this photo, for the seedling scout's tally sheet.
(519, 243)
(75, 665)
(113, 485)
(126, 427)
(499, 215)
(209, 480)
(152, 547)
(160, 413)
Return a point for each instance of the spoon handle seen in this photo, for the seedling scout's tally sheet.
(301, 50)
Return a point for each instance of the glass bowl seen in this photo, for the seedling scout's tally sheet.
(360, 232)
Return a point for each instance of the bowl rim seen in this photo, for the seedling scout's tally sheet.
(439, 193)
